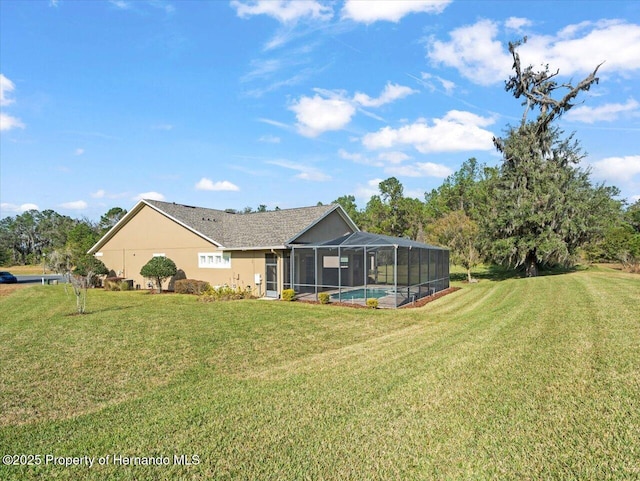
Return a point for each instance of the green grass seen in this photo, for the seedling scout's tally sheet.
(510, 379)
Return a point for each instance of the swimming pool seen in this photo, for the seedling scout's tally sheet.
(373, 293)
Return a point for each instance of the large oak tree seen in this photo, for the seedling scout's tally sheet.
(545, 205)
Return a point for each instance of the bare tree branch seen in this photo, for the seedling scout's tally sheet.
(537, 88)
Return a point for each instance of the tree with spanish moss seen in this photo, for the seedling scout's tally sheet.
(545, 205)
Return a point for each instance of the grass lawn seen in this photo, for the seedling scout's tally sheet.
(511, 379)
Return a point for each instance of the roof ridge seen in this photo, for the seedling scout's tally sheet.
(224, 211)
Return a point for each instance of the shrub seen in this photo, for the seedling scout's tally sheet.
(159, 268)
(191, 286)
(125, 285)
(113, 283)
(225, 293)
(288, 295)
(372, 303)
(324, 298)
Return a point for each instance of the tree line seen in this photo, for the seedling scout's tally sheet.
(31, 237)
(538, 208)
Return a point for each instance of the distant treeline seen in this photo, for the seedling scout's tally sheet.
(461, 214)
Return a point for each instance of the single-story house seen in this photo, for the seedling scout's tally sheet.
(310, 249)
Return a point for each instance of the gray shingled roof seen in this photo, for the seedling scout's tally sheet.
(258, 229)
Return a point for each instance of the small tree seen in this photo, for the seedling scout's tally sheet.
(80, 277)
(458, 232)
(159, 268)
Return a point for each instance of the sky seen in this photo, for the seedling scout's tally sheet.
(237, 104)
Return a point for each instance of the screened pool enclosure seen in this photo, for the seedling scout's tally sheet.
(361, 266)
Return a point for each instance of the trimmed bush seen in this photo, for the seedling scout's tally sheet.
(324, 298)
(288, 295)
(159, 268)
(191, 286)
(225, 293)
(372, 303)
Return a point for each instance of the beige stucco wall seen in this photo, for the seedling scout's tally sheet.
(149, 232)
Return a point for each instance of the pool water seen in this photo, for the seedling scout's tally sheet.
(359, 294)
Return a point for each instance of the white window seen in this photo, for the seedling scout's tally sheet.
(214, 260)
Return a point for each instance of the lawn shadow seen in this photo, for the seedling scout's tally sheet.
(96, 311)
(499, 273)
(488, 273)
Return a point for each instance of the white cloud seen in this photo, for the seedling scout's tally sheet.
(270, 139)
(306, 172)
(6, 87)
(263, 68)
(332, 110)
(165, 127)
(617, 169)
(447, 85)
(517, 23)
(420, 169)
(17, 209)
(75, 205)
(275, 123)
(222, 185)
(364, 192)
(316, 114)
(285, 11)
(7, 122)
(79, 151)
(389, 10)
(390, 93)
(359, 158)
(166, 7)
(612, 41)
(121, 4)
(102, 194)
(606, 112)
(475, 51)
(394, 157)
(455, 132)
(149, 196)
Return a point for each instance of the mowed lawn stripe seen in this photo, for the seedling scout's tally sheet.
(518, 379)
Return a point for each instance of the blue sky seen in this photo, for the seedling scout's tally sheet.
(241, 103)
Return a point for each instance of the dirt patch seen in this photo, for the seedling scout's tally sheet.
(8, 289)
(428, 299)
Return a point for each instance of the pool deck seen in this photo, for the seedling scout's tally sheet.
(385, 302)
